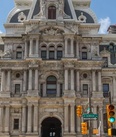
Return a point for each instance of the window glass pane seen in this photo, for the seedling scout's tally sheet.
(51, 78)
(84, 55)
(51, 91)
(51, 86)
(52, 12)
(85, 89)
(105, 87)
(17, 88)
(59, 54)
(43, 54)
(16, 123)
(51, 55)
(19, 55)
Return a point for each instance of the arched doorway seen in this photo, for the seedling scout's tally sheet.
(51, 127)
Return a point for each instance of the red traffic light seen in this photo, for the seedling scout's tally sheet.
(111, 107)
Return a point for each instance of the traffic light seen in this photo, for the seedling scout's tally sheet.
(110, 114)
(111, 131)
(79, 111)
(84, 128)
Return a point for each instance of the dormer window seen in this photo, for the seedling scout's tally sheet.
(51, 12)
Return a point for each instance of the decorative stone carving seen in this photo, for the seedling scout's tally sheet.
(50, 65)
(21, 17)
(41, 14)
(5, 54)
(52, 31)
(82, 18)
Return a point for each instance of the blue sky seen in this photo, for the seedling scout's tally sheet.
(104, 10)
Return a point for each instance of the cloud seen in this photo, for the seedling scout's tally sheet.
(105, 23)
(0, 31)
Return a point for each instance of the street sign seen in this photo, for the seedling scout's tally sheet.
(90, 115)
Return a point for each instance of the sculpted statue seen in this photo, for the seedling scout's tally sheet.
(42, 8)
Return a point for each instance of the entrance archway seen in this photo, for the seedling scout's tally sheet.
(51, 127)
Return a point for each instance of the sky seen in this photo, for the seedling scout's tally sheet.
(104, 10)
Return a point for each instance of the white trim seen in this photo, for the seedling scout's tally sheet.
(72, 9)
(31, 9)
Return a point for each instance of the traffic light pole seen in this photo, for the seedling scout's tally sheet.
(110, 102)
(90, 129)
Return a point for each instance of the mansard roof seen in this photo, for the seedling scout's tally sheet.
(30, 11)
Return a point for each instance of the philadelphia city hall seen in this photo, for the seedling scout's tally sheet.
(51, 58)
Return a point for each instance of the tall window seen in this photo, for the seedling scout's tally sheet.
(52, 12)
(17, 88)
(19, 55)
(105, 90)
(84, 55)
(59, 54)
(43, 54)
(51, 55)
(19, 52)
(51, 86)
(16, 124)
(85, 89)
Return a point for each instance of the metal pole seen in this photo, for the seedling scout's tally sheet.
(89, 99)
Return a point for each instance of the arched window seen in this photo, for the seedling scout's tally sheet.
(44, 52)
(51, 12)
(52, 52)
(84, 53)
(59, 52)
(51, 86)
(19, 52)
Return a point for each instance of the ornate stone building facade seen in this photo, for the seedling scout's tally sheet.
(51, 57)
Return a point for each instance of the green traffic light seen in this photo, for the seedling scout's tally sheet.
(111, 119)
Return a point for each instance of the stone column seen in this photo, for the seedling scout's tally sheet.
(55, 53)
(36, 79)
(66, 79)
(93, 80)
(1, 118)
(78, 124)
(26, 49)
(47, 53)
(25, 81)
(72, 118)
(23, 119)
(77, 82)
(99, 82)
(66, 49)
(72, 79)
(114, 86)
(101, 118)
(30, 80)
(29, 122)
(31, 47)
(66, 115)
(35, 122)
(3, 81)
(44, 89)
(72, 48)
(8, 80)
(7, 119)
(37, 47)
(77, 49)
(95, 112)
(58, 89)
